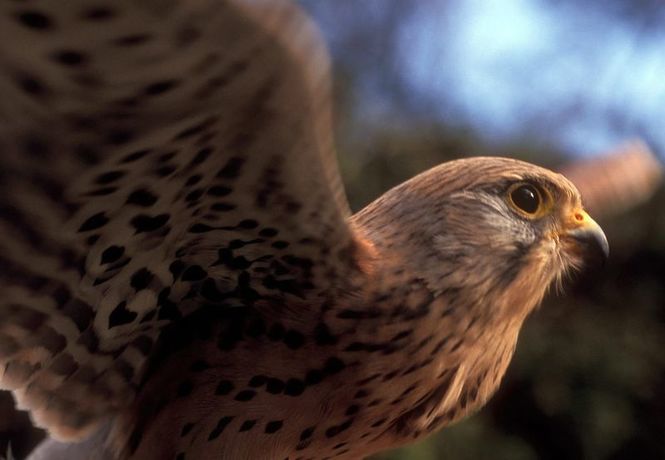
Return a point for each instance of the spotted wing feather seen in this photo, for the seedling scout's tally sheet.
(157, 158)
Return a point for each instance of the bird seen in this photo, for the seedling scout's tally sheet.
(181, 275)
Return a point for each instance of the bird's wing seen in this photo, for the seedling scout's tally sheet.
(156, 158)
(618, 180)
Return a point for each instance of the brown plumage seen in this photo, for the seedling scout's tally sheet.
(181, 277)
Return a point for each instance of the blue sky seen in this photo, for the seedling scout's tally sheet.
(576, 74)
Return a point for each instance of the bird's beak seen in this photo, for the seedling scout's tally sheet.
(588, 238)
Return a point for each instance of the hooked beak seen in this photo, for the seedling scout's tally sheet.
(588, 239)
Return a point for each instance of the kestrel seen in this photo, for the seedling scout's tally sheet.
(180, 273)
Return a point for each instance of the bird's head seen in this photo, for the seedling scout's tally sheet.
(497, 229)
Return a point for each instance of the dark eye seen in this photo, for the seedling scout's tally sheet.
(526, 197)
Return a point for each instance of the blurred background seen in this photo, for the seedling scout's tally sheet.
(554, 82)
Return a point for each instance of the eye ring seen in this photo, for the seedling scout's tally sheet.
(526, 198)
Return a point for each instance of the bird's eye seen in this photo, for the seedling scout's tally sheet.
(526, 198)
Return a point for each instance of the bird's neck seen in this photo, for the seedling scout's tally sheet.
(430, 352)
(416, 359)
